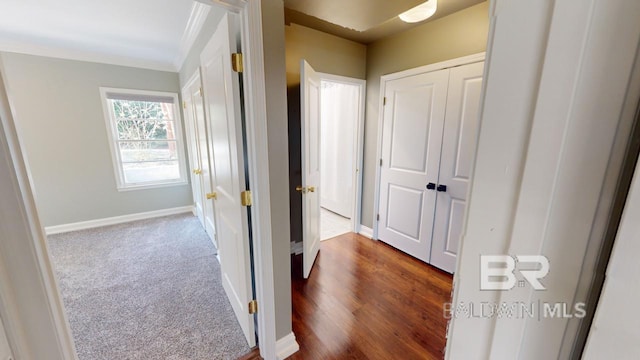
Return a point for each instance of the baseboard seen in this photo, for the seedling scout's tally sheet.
(366, 231)
(296, 248)
(287, 346)
(58, 229)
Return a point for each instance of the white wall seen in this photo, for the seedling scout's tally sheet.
(340, 107)
(554, 93)
(60, 121)
(615, 333)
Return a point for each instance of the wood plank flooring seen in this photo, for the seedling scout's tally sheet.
(367, 300)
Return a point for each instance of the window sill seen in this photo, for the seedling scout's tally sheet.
(152, 186)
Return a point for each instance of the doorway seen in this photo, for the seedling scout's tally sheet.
(341, 131)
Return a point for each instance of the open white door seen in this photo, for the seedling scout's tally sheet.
(222, 99)
(458, 150)
(310, 110)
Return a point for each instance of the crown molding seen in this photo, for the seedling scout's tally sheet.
(198, 16)
(82, 55)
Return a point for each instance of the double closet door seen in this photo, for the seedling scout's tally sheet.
(430, 127)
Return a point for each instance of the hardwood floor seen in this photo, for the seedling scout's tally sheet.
(367, 300)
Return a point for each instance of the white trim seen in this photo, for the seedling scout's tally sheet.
(112, 135)
(464, 60)
(287, 346)
(198, 16)
(296, 248)
(258, 165)
(83, 55)
(358, 145)
(366, 231)
(90, 224)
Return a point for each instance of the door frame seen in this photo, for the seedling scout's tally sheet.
(465, 60)
(40, 303)
(358, 146)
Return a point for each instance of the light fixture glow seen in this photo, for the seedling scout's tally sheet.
(420, 12)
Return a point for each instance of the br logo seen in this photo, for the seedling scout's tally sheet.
(498, 272)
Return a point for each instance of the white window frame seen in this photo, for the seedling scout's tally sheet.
(112, 134)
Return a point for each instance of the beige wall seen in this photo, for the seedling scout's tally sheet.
(61, 125)
(459, 34)
(324, 52)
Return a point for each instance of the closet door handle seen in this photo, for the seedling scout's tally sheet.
(442, 188)
(431, 186)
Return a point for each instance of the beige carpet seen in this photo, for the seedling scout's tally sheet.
(146, 290)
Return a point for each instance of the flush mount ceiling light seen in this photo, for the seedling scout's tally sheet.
(420, 12)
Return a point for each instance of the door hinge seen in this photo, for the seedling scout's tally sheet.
(245, 198)
(236, 62)
(380, 161)
(200, 91)
(253, 307)
(384, 101)
(184, 104)
(378, 217)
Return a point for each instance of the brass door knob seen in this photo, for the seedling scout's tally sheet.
(212, 195)
(197, 171)
(311, 189)
(301, 189)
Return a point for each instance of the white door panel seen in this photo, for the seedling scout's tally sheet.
(206, 168)
(194, 149)
(310, 128)
(222, 99)
(199, 155)
(411, 142)
(458, 149)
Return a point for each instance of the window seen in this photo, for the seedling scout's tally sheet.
(145, 138)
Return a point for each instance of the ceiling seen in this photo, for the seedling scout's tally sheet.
(364, 21)
(145, 33)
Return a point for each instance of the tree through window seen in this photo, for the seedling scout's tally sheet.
(145, 134)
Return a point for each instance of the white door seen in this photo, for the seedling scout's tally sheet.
(310, 109)
(222, 99)
(458, 148)
(411, 139)
(194, 149)
(199, 154)
(206, 170)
